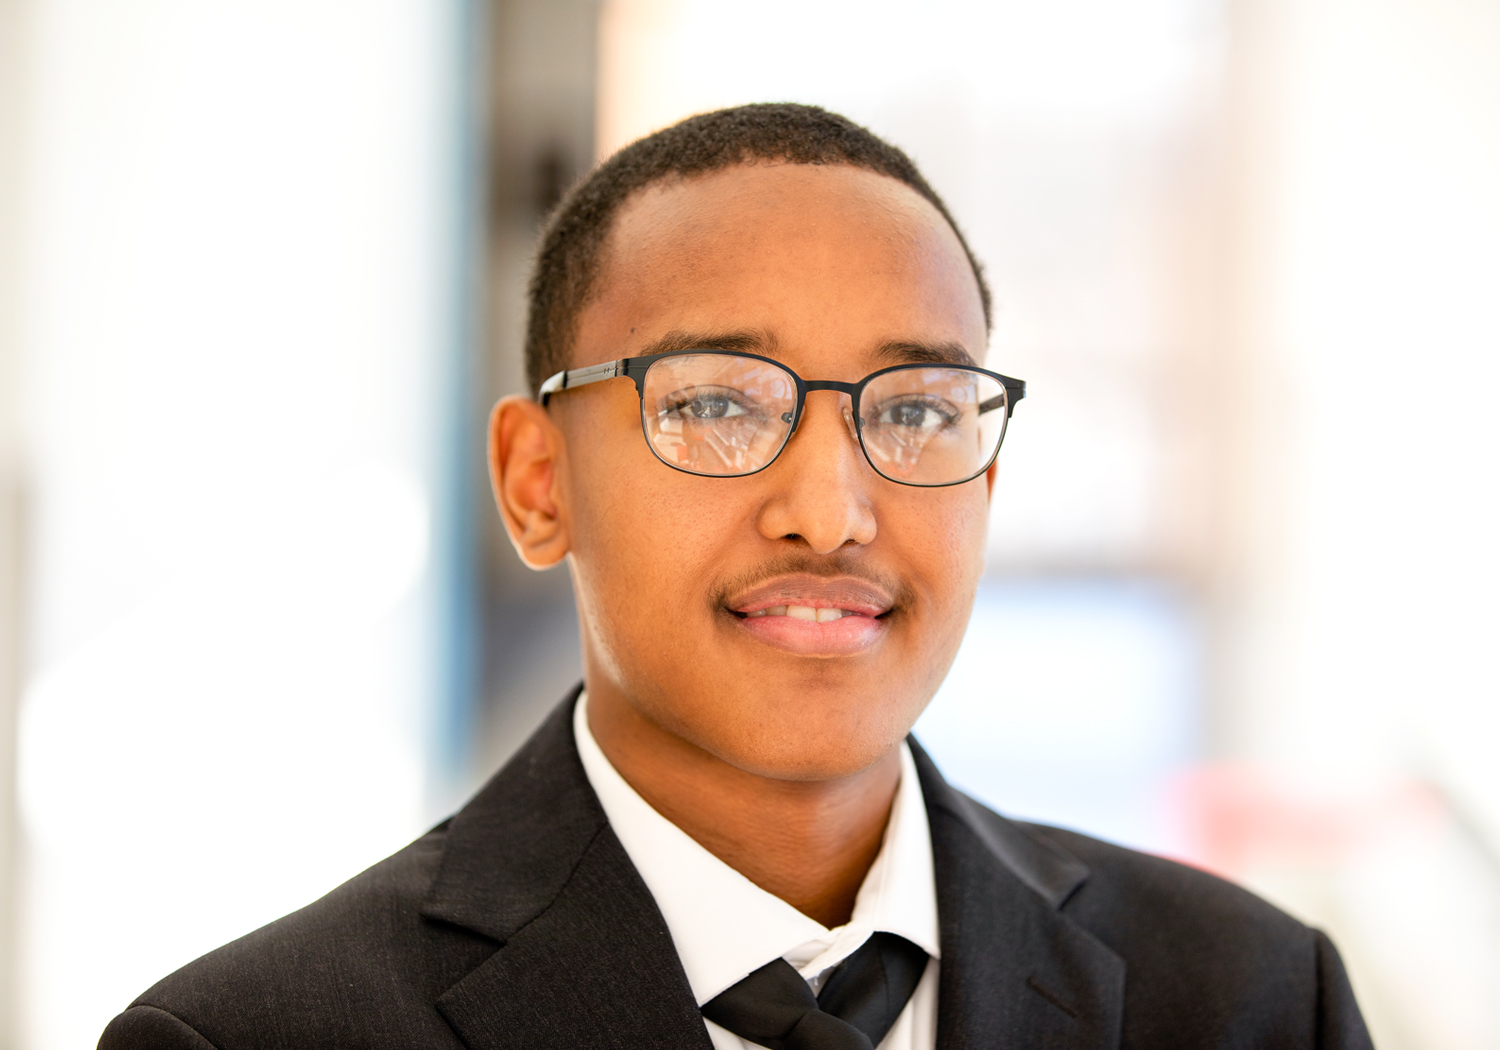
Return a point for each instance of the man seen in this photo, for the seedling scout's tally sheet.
(763, 442)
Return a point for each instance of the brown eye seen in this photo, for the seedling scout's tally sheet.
(712, 406)
(919, 413)
(705, 405)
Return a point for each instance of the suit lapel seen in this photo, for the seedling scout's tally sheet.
(585, 958)
(1015, 971)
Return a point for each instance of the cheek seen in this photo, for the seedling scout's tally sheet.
(643, 544)
(950, 534)
(946, 539)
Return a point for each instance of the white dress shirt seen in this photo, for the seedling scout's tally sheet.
(724, 926)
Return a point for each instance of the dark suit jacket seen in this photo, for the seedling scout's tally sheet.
(522, 923)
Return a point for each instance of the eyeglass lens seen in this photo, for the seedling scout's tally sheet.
(723, 415)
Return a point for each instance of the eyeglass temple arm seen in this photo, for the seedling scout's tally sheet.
(579, 377)
(1015, 389)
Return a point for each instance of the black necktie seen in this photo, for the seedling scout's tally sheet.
(859, 1002)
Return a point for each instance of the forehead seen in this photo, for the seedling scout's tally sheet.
(803, 256)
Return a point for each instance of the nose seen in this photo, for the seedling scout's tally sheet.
(820, 484)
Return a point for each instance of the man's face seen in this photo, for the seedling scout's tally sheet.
(835, 272)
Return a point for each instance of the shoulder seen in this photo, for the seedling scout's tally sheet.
(359, 961)
(1202, 954)
(1132, 897)
(368, 965)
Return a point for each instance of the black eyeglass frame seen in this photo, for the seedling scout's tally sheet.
(635, 369)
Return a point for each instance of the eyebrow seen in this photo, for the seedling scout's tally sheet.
(740, 342)
(905, 351)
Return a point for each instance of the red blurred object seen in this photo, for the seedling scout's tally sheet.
(1237, 817)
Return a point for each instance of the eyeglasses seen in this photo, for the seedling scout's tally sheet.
(726, 414)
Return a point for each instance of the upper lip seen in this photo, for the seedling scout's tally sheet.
(850, 593)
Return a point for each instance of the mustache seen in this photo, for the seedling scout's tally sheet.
(840, 563)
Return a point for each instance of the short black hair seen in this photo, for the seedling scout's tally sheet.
(573, 239)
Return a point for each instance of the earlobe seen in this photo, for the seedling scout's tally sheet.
(525, 453)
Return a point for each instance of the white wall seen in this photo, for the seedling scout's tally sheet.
(12, 82)
(1371, 299)
(1359, 560)
(239, 275)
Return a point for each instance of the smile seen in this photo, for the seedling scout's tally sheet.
(809, 615)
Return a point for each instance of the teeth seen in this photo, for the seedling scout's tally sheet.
(801, 612)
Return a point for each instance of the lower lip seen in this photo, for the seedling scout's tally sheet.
(842, 637)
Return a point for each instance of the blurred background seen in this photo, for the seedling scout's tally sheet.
(261, 273)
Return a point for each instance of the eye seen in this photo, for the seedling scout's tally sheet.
(706, 403)
(922, 413)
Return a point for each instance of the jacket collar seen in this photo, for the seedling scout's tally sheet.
(585, 959)
(1016, 972)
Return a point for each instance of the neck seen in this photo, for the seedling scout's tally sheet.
(810, 843)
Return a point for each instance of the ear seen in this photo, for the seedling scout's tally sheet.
(989, 479)
(526, 450)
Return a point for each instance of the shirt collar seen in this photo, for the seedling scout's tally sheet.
(723, 925)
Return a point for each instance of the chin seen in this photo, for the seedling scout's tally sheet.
(815, 742)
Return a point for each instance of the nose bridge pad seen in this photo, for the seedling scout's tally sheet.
(846, 410)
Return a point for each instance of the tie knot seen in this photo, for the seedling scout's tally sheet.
(859, 1003)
